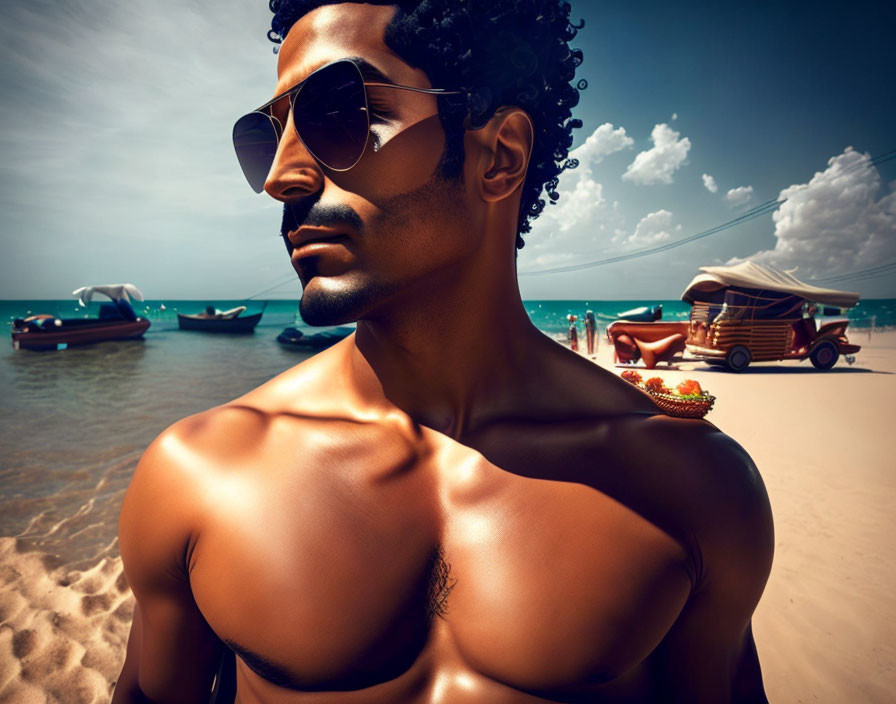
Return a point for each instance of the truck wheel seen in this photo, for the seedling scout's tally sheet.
(738, 358)
(825, 355)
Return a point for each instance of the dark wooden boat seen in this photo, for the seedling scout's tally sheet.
(35, 333)
(227, 322)
(116, 321)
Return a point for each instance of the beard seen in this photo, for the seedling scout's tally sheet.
(354, 295)
(343, 303)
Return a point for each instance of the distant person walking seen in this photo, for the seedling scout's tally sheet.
(590, 331)
(573, 332)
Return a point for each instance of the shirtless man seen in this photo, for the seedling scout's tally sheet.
(406, 518)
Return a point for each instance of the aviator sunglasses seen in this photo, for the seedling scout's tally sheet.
(329, 113)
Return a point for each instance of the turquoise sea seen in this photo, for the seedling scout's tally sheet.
(74, 422)
(549, 316)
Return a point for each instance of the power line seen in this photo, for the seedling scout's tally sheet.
(749, 215)
(873, 269)
(869, 273)
(292, 278)
(755, 212)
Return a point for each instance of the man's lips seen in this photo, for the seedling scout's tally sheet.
(309, 240)
(306, 234)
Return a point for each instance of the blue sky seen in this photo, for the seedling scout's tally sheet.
(117, 164)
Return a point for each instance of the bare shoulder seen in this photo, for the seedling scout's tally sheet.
(717, 467)
(189, 457)
(187, 450)
(705, 484)
(712, 471)
(192, 467)
(181, 478)
(699, 451)
(188, 474)
(163, 507)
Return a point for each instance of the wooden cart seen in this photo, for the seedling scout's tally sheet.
(752, 313)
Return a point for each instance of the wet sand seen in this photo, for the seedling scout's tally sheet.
(825, 629)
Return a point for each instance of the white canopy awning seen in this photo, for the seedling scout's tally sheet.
(114, 291)
(749, 274)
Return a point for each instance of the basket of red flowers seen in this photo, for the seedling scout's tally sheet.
(687, 400)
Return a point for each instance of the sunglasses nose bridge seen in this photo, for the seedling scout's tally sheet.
(294, 172)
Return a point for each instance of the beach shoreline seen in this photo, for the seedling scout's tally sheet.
(825, 628)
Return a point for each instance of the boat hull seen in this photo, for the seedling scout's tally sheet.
(73, 333)
(291, 337)
(643, 314)
(241, 325)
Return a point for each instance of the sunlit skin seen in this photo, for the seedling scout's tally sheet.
(596, 551)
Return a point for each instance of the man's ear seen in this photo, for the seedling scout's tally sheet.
(504, 146)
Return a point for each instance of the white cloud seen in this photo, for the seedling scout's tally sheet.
(575, 228)
(577, 206)
(118, 143)
(835, 224)
(605, 140)
(572, 225)
(658, 164)
(710, 183)
(581, 196)
(739, 196)
(653, 229)
(674, 116)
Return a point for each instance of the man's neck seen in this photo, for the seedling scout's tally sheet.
(451, 360)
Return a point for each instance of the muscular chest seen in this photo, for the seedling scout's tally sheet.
(340, 578)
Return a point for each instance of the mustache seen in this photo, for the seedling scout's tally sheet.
(314, 213)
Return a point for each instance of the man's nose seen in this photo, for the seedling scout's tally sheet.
(294, 173)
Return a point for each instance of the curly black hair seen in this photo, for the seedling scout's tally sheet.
(497, 53)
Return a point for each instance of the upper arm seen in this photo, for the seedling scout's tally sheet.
(172, 653)
(709, 654)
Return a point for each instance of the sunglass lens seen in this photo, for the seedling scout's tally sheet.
(255, 138)
(330, 114)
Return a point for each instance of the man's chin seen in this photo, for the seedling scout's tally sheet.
(324, 303)
(319, 313)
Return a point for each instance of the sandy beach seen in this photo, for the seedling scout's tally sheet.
(825, 629)
(826, 626)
